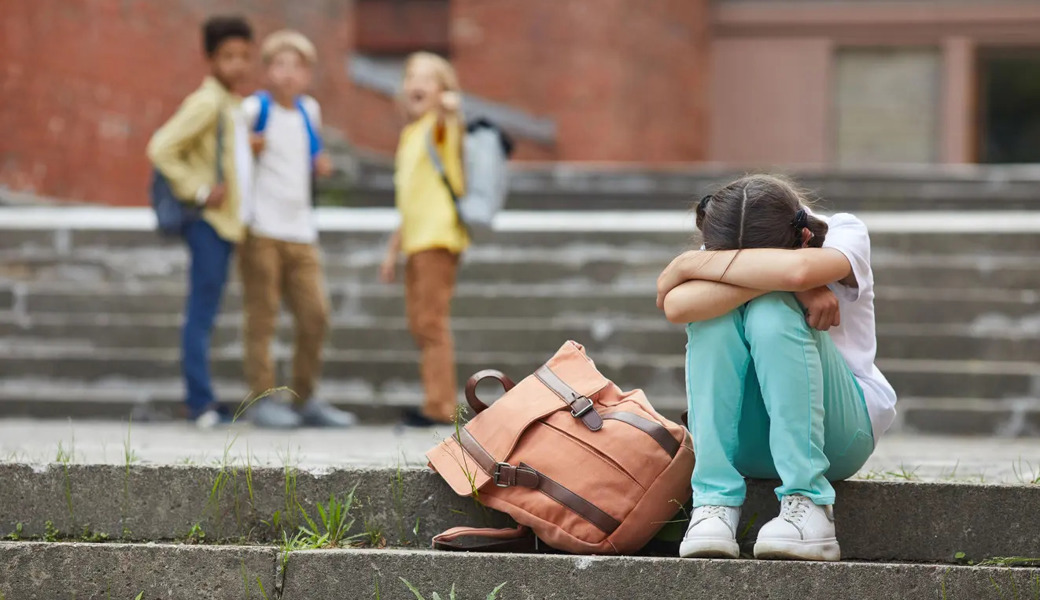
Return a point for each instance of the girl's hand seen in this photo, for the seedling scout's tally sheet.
(256, 143)
(450, 102)
(821, 308)
(322, 165)
(674, 275)
(388, 270)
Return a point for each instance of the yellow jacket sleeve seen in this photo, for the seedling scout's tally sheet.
(169, 145)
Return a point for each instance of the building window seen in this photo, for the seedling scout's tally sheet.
(399, 27)
(887, 105)
(1009, 105)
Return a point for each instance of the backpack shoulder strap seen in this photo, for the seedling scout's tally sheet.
(520, 539)
(265, 110)
(435, 158)
(312, 135)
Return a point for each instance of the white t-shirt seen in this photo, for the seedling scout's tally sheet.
(280, 203)
(856, 338)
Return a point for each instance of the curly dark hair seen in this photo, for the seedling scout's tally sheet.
(218, 29)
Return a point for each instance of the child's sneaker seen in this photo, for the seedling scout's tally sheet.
(316, 413)
(712, 533)
(268, 413)
(212, 419)
(803, 531)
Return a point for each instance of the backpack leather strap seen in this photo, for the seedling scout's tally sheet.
(487, 540)
(581, 406)
(505, 475)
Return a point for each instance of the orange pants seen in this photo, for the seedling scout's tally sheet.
(272, 269)
(429, 286)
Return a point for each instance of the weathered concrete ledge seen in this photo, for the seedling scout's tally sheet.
(35, 570)
(43, 571)
(328, 575)
(903, 521)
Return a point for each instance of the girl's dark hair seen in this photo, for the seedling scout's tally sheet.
(217, 30)
(757, 211)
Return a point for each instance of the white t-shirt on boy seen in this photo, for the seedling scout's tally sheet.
(280, 203)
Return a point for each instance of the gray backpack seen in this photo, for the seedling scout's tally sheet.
(485, 151)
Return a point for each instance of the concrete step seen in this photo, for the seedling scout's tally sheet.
(71, 231)
(35, 570)
(575, 264)
(659, 375)
(649, 335)
(162, 399)
(406, 506)
(892, 305)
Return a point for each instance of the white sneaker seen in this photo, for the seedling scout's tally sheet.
(712, 533)
(803, 531)
(210, 419)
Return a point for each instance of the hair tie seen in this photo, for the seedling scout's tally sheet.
(801, 220)
(703, 204)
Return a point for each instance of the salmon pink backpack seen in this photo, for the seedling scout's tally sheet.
(589, 468)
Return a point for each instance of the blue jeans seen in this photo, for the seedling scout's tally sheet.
(771, 398)
(210, 259)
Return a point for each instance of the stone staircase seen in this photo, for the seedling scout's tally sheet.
(204, 533)
(90, 303)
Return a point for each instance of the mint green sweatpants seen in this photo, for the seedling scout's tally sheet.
(771, 398)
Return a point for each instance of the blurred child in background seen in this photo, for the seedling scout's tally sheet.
(431, 235)
(280, 255)
(211, 174)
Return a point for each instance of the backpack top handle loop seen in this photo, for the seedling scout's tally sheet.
(471, 387)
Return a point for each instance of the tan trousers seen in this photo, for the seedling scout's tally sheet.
(429, 285)
(272, 269)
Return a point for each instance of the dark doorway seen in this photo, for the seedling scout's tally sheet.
(1009, 105)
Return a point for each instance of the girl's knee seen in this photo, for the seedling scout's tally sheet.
(774, 312)
(719, 327)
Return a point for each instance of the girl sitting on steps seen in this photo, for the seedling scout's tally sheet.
(781, 382)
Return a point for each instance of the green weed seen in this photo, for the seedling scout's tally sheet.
(196, 535)
(130, 456)
(15, 535)
(1026, 474)
(904, 473)
(335, 521)
(50, 532)
(93, 537)
(66, 458)
(492, 595)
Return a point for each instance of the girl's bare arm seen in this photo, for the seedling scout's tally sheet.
(695, 301)
(767, 269)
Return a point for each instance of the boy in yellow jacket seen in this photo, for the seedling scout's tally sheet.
(184, 150)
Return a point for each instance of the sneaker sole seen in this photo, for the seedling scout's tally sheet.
(709, 548)
(826, 550)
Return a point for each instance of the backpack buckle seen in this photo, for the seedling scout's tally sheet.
(579, 413)
(496, 476)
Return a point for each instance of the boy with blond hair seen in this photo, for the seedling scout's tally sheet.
(280, 255)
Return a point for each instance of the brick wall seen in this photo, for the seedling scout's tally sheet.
(84, 83)
(625, 80)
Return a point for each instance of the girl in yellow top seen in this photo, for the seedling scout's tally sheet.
(431, 235)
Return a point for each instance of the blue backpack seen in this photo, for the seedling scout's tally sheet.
(313, 137)
(171, 213)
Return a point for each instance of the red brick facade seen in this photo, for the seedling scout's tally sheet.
(86, 82)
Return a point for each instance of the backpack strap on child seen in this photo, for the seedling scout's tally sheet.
(314, 142)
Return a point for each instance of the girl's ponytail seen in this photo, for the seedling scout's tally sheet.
(803, 219)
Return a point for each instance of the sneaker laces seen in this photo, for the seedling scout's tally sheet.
(709, 512)
(794, 508)
(704, 513)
